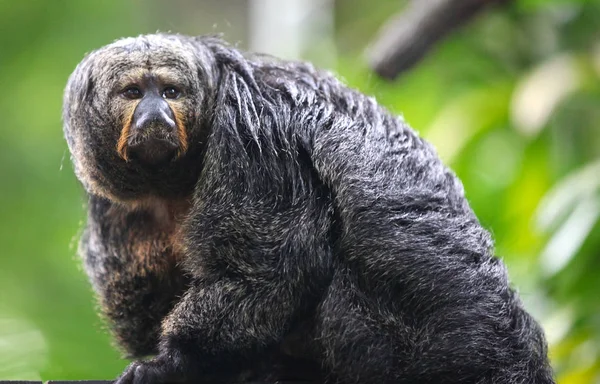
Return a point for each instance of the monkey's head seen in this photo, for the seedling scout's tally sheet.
(136, 113)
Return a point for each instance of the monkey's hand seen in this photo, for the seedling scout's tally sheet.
(160, 370)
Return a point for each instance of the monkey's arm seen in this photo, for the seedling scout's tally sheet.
(256, 287)
(133, 271)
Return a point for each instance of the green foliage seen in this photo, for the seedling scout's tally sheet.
(511, 101)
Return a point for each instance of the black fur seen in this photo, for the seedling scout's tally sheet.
(322, 226)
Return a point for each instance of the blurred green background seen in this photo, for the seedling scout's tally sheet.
(512, 102)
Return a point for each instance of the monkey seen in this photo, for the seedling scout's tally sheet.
(244, 209)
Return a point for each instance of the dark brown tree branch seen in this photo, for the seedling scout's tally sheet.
(408, 36)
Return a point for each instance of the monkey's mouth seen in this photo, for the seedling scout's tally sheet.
(152, 150)
(153, 143)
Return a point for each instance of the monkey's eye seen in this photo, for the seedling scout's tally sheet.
(171, 93)
(132, 93)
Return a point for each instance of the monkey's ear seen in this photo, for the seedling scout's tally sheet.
(78, 94)
(80, 84)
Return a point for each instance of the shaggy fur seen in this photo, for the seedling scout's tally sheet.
(304, 221)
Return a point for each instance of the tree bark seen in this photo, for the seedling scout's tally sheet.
(408, 36)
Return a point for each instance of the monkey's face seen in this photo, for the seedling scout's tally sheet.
(152, 105)
(135, 114)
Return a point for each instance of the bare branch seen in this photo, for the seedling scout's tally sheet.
(408, 36)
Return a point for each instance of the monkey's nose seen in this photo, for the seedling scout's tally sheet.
(154, 138)
(153, 114)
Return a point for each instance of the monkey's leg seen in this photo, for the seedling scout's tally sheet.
(424, 303)
(356, 335)
(368, 343)
(133, 272)
(217, 330)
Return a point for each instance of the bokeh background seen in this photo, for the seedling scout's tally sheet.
(511, 101)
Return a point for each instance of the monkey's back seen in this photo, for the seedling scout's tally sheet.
(407, 245)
